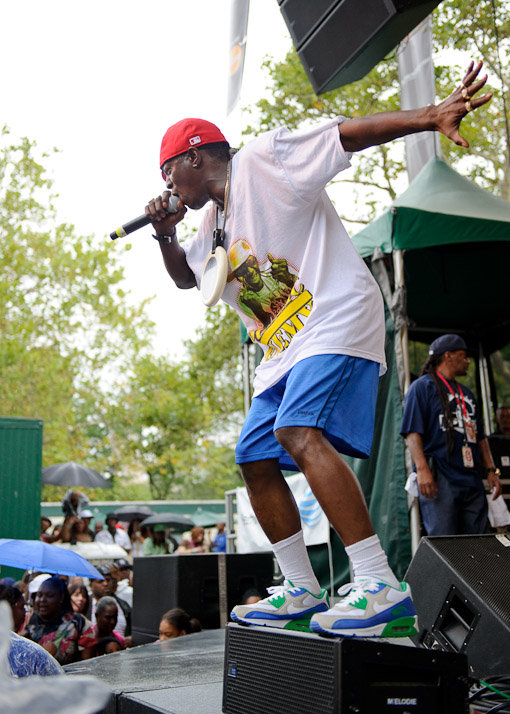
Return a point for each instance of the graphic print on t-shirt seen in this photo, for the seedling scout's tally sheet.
(267, 294)
(457, 415)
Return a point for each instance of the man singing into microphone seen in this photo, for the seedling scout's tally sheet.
(316, 387)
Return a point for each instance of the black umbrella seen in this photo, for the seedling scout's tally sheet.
(132, 512)
(71, 474)
(172, 520)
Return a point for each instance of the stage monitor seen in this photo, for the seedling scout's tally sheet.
(340, 42)
(206, 585)
(461, 587)
(271, 671)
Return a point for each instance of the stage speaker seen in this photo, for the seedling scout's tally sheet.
(271, 671)
(461, 590)
(206, 585)
(340, 41)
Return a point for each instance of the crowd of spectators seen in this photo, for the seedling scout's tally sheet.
(57, 620)
(137, 539)
(72, 618)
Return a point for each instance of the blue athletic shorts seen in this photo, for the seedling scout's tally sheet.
(335, 393)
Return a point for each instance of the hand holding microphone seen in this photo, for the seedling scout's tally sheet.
(155, 211)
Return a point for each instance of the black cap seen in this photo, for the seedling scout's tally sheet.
(104, 570)
(447, 343)
(122, 563)
(111, 515)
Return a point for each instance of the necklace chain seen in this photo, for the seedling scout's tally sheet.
(226, 195)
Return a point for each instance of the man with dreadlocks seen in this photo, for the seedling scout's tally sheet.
(444, 433)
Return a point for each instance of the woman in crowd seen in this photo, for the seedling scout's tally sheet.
(66, 635)
(24, 658)
(106, 620)
(250, 597)
(176, 623)
(196, 544)
(75, 531)
(80, 599)
(137, 534)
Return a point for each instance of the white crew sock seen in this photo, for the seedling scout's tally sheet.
(295, 564)
(369, 559)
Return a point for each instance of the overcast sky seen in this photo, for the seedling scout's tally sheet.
(102, 81)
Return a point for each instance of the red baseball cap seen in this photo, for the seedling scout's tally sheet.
(185, 134)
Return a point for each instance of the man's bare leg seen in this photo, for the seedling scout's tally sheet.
(332, 481)
(278, 515)
(271, 499)
(338, 491)
(300, 596)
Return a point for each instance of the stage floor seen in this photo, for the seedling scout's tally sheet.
(179, 676)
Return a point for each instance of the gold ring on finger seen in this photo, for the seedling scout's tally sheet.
(468, 106)
(465, 93)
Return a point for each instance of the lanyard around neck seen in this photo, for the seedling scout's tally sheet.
(463, 405)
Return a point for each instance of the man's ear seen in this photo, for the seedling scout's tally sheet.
(195, 158)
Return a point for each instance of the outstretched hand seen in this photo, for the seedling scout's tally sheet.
(454, 108)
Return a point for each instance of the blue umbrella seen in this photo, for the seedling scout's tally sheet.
(36, 555)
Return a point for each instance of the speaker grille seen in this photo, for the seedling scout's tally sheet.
(484, 563)
(279, 682)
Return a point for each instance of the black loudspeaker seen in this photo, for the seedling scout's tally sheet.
(461, 590)
(340, 41)
(206, 585)
(278, 672)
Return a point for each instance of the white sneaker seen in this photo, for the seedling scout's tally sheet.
(288, 607)
(369, 609)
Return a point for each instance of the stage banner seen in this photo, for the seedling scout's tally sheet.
(418, 89)
(250, 536)
(238, 29)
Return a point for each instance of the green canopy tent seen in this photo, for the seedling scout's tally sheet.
(453, 239)
(441, 255)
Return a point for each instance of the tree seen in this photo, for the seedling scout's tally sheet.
(66, 327)
(479, 29)
(463, 28)
(186, 416)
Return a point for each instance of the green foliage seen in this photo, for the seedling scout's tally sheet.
(461, 29)
(74, 354)
(63, 316)
(293, 104)
(186, 416)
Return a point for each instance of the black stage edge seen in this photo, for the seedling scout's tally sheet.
(179, 676)
(271, 671)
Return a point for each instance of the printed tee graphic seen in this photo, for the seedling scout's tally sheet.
(268, 294)
(457, 415)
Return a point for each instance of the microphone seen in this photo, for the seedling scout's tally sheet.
(142, 221)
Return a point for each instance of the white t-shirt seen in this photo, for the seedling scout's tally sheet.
(121, 538)
(296, 280)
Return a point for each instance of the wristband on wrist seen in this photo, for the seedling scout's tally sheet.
(164, 239)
